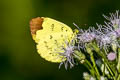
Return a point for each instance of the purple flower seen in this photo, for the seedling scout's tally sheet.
(85, 36)
(68, 52)
(106, 36)
(118, 32)
(111, 56)
(114, 19)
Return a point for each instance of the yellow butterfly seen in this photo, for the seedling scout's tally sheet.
(50, 35)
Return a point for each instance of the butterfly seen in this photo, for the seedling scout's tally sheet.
(50, 35)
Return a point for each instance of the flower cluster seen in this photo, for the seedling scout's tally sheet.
(103, 47)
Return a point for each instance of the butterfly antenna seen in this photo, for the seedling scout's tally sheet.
(76, 25)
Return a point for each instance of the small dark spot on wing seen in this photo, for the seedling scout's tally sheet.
(66, 30)
(62, 28)
(51, 36)
(52, 27)
(45, 42)
(61, 35)
(55, 41)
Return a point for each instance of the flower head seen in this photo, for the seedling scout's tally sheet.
(68, 52)
(118, 32)
(107, 36)
(86, 76)
(103, 78)
(114, 23)
(111, 56)
(85, 37)
(114, 19)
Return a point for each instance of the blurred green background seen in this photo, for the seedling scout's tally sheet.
(19, 59)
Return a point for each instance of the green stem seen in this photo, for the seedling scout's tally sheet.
(91, 68)
(104, 70)
(100, 53)
(94, 65)
(109, 69)
(118, 77)
(118, 64)
(80, 56)
(88, 48)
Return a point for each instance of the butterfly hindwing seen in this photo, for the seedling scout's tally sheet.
(51, 38)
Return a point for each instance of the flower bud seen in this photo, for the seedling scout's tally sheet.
(79, 55)
(111, 56)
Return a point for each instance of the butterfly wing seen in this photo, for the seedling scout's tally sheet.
(51, 37)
